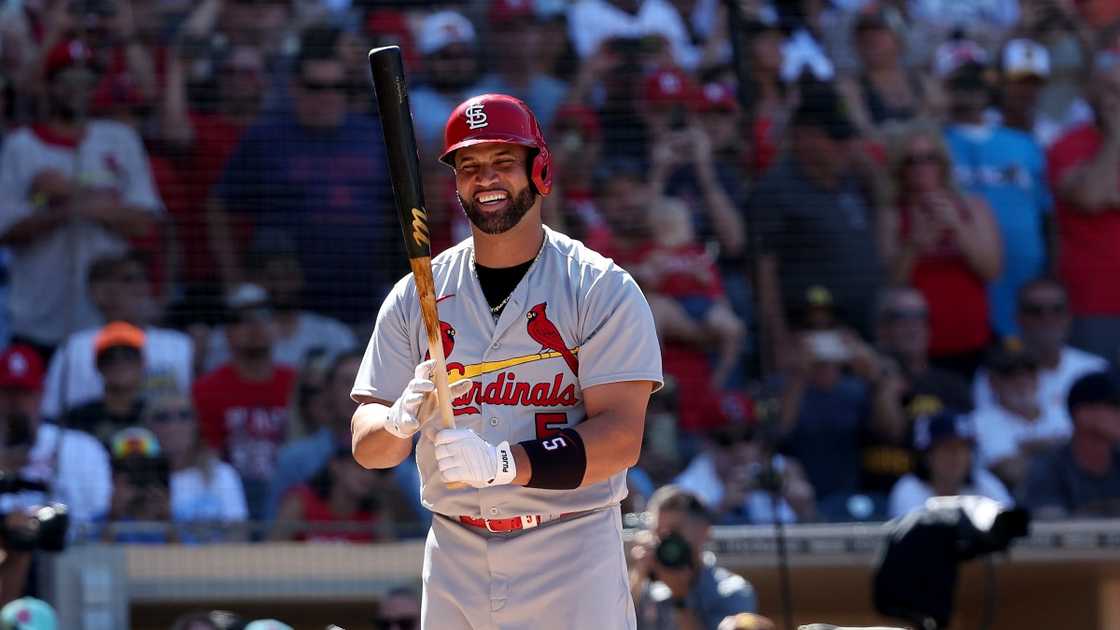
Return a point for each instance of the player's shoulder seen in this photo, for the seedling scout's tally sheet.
(580, 257)
(458, 254)
(21, 137)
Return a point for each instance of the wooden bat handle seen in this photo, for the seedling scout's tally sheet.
(426, 291)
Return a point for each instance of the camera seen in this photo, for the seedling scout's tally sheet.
(45, 527)
(674, 552)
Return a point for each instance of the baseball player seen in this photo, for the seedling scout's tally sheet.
(552, 356)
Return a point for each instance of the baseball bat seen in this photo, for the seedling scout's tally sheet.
(404, 169)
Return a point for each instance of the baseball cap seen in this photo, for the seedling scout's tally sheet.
(118, 334)
(64, 55)
(716, 97)
(956, 54)
(21, 367)
(267, 624)
(247, 296)
(442, 29)
(28, 613)
(1094, 388)
(503, 11)
(821, 107)
(946, 425)
(1025, 59)
(1010, 357)
(666, 87)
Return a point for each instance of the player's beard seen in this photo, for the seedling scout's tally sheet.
(504, 220)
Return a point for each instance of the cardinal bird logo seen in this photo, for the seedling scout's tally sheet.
(447, 336)
(544, 332)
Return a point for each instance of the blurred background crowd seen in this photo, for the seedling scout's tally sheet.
(880, 239)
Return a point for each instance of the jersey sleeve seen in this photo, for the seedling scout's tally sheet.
(618, 339)
(140, 191)
(390, 358)
(14, 184)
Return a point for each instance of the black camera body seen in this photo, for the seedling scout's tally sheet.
(45, 531)
(674, 552)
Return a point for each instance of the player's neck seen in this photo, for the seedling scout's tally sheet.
(519, 244)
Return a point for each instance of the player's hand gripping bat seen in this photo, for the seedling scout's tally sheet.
(404, 169)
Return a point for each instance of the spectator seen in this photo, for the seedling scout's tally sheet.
(202, 136)
(943, 243)
(593, 22)
(73, 464)
(1084, 166)
(1005, 167)
(1024, 73)
(340, 503)
(576, 157)
(815, 220)
(694, 592)
(71, 190)
(690, 303)
(118, 351)
(1081, 478)
(770, 105)
(141, 489)
(204, 489)
(824, 409)
(275, 266)
(1016, 426)
(243, 405)
(684, 165)
(885, 91)
(909, 388)
(399, 610)
(515, 35)
(736, 477)
(447, 42)
(316, 173)
(945, 443)
(121, 292)
(1043, 316)
(299, 460)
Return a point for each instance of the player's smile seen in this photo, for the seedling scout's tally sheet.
(492, 200)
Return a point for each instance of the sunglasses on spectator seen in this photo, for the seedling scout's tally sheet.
(926, 157)
(396, 623)
(905, 315)
(180, 415)
(324, 86)
(1038, 309)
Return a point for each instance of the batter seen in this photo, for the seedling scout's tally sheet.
(552, 355)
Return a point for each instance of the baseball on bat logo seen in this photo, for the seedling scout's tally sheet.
(420, 228)
(476, 117)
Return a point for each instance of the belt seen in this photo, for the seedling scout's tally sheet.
(512, 524)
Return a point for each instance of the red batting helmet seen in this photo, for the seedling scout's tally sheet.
(498, 118)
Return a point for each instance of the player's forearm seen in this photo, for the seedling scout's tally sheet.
(612, 445)
(372, 445)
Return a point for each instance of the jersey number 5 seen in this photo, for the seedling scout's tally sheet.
(554, 443)
(550, 424)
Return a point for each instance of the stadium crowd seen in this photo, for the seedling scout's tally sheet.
(880, 239)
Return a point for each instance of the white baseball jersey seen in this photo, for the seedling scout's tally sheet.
(574, 321)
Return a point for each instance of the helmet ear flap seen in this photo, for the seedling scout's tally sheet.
(541, 174)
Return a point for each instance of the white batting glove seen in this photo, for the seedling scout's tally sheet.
(409, 412)
(464, 456)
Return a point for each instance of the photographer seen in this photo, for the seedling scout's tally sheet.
(675, 584)
(40, 463)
